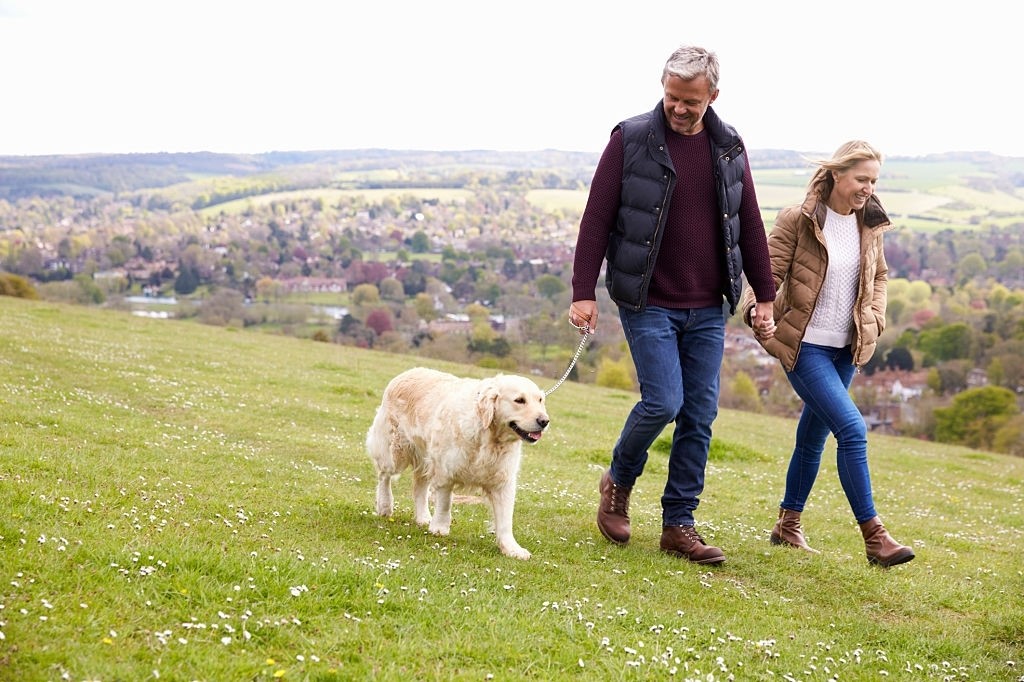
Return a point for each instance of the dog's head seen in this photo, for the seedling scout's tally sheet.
(515, 404)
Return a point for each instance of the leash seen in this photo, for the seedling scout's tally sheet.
(579, 349)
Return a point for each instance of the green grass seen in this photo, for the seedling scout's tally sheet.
(194, 503)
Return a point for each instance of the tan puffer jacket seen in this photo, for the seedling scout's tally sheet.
(799, 259)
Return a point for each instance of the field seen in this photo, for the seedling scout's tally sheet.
(918, 196)
(193, 503)
(332, 196)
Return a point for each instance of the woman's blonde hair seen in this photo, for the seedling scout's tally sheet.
(846, 157)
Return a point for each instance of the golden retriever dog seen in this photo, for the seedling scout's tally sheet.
(456, 433)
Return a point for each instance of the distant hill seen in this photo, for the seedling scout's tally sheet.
(95, 174)
(83, 175)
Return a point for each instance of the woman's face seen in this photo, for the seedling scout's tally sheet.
(853, 187)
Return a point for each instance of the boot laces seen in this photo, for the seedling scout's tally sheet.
(691, 534)
(619, 502)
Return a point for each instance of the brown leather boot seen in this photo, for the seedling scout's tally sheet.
(685, 542)
(787, 531)
(881, 548)
(613, 511)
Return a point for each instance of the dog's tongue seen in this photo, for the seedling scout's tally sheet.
(536, 435)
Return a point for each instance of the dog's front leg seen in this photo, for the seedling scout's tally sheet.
(503, 502)
(441, 524)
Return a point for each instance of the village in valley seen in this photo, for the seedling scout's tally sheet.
(453, 258)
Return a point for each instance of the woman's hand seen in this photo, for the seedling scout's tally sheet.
(762, 320)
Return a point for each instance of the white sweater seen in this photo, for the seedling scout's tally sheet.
(832, 322)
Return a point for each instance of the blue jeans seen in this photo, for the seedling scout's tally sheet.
(678, 359)
(822, 378)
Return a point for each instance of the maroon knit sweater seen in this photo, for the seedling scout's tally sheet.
(690, 270)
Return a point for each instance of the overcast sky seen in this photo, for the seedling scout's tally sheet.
(911, 76)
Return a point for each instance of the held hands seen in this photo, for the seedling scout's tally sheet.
(762, 320)
(583, 316)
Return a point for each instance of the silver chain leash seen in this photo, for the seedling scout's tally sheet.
(579, 349)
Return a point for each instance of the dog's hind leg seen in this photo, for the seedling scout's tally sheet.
(420, 495)
(385, 498)
(441, 523)
(381, 444)
(503, 502)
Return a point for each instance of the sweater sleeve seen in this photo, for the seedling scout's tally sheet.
(598, 220)
(753, 243)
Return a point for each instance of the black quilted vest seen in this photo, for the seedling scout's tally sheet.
(648, 179)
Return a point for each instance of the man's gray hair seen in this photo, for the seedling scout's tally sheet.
(689, 62)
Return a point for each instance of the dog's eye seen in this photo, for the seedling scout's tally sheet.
(521, 400)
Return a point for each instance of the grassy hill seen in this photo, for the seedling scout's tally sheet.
(194, 503)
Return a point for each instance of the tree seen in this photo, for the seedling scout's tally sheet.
(975, 416)
(972, 265)
(1010, 437)
(948, 342)
(550, 286)
(366, 294)
(544, 330)
(187, 281)
(267, 288)
(899, 358)
(420, 242)
(614, 374)
(17, 286)
(951, 377)
(477, 312)
(919, 291)
(995, 372)
(391, 289)
(380, 320)
(223, 307)
(744, 393)
(894, 310)
(424, 304)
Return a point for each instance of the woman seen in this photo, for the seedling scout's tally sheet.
(830, 274)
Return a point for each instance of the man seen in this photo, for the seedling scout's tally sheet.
(672, 208)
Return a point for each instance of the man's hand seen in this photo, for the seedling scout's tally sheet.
(583, 316)
(762, 320)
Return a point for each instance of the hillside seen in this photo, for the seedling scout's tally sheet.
(193, 502)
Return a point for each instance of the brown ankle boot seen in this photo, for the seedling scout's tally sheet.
(881, 548)
(613, 511)
(685, 542)
(787, 531)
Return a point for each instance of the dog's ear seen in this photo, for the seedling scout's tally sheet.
(486, 401)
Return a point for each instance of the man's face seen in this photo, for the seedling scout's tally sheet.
(685, 103)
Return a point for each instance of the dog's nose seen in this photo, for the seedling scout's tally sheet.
(543, 422)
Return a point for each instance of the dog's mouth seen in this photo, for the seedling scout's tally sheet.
(528, 436)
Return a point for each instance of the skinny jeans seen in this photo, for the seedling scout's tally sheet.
(822, 378)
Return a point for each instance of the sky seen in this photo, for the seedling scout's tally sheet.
(913, 77)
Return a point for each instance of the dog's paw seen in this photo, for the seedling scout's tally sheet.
(516, 552)
(439, 530)
(385, 509)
